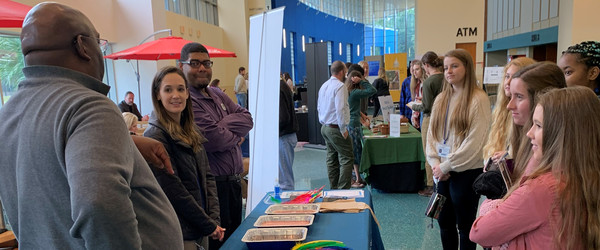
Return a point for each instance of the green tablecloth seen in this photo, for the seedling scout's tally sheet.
(406, 148)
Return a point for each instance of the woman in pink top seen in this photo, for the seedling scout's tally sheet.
(556, 205)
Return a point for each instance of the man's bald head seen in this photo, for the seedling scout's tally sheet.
(56, 34)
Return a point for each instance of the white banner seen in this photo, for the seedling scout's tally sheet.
(264, 65)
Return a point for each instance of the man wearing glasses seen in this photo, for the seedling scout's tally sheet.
(224, 124)
(71, 175)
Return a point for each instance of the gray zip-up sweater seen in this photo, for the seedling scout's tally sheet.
(70, 175)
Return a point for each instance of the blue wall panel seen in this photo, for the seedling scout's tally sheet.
(303, 20)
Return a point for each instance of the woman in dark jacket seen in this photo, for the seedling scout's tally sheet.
(192, 189)
(383, 88)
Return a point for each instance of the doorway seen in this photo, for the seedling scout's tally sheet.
(469, 47)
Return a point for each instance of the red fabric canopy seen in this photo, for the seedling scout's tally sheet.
(163, 48)
(12, 14)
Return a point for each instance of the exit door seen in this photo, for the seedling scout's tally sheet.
(469, 47)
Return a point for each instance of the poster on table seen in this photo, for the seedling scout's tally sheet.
(395, 69)
(264, 66)
(387, 107)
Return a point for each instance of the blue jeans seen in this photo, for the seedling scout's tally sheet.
(242, 100)
(287, 143)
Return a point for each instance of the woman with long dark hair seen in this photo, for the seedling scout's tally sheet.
(192, 189)
(432, 86)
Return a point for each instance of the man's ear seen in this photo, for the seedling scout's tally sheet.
(81, 49)
(593, 73)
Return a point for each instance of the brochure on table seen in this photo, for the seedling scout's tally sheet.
(395, 125)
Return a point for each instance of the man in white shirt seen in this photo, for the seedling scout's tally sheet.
(241, 89)
(334, 116)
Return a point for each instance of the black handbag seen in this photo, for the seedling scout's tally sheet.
(434, 207)
(494, 183)
(490, 184)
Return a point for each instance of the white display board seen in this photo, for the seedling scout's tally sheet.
(264, 65)
(493, 75)
(387, 107)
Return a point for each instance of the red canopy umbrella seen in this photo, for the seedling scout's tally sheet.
(163, 48)
(12, 14)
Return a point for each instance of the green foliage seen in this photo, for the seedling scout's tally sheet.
(11, 64)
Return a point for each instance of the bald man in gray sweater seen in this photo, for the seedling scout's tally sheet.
(71, 176)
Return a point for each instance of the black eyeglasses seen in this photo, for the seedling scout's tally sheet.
(194, 63)
(102, 43)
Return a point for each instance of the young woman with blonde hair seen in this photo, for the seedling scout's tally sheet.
(432, 86)
(499, 138)
(459, 125)
(131, 122)
(556, 205)
(526, 84)
(416, 92)
(192, 190)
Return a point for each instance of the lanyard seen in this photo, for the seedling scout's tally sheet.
(446, 123)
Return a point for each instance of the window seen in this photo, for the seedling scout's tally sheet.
(292, 34)
(202, 10)
(329, 55)
(284, 39)
(10, 68)
(348, 52)
(389, 25)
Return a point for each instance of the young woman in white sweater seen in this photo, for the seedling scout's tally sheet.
(460, 121)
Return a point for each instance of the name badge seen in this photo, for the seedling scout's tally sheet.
(443, 150)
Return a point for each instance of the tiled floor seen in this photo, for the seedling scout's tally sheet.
(402, 219)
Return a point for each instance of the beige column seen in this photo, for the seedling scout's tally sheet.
(578, 22)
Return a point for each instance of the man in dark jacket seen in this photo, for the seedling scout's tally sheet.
(127, 105)
(288, 126)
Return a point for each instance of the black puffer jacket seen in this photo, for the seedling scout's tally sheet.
(192, 190)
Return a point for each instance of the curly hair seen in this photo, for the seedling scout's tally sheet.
(588, 52)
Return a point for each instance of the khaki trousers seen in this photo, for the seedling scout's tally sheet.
(340, 159)
(428, 170)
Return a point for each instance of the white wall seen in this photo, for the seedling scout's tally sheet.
(578, 22)
(436, 24)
